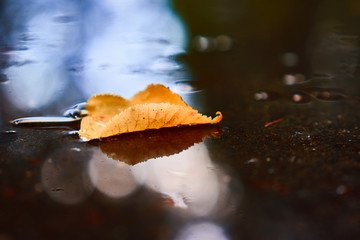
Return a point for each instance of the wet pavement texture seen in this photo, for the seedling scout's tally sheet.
(283, 164)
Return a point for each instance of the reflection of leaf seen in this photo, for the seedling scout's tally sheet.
(155, 107)
(136, 147)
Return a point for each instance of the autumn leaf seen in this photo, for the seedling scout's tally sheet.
(155, 107)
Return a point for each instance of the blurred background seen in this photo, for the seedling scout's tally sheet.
(285, 160)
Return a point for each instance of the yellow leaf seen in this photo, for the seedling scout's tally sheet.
(155, 107)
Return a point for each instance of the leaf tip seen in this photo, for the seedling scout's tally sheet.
(218, 117)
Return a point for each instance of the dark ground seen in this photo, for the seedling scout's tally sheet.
(295, 178)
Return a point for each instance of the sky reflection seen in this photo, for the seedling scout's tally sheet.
(120, 47)
(108, 46)
(36, 73)
(134, 48)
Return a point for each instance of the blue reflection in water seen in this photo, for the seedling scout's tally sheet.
(96, 46)
(134, 48)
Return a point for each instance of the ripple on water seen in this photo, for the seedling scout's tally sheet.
(330, 95)
(10, 132)
(64, 19)
(327, 94)
(187, 86)
(3, 78)
(73, 134)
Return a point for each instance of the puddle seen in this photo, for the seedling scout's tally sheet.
(285, 79)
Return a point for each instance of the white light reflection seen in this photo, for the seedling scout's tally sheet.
(36, 73)
(203, 230)
(134, 48)
(114, 46)
(201, 43)
(292, 79)
(112, 178)
(33, 85)
(220, 43)
(188, 178)
(64, 179)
